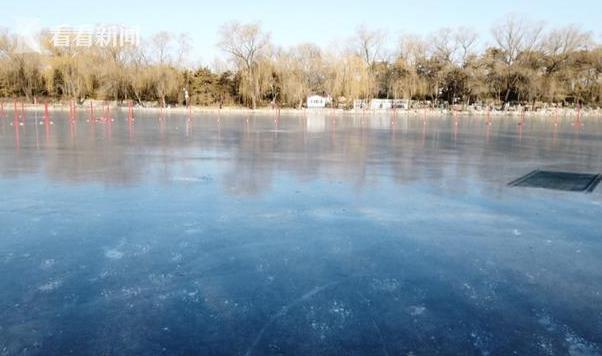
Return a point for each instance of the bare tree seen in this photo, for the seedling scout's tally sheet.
(311, 62)
(559, 46)
(443, 45)
(562, 41)
(515, 35)
(412, 48)
(161, 46)
(466, 40)
(138, 76)
(184, 48)
(5, 46)
(246, 44)
(369, 44)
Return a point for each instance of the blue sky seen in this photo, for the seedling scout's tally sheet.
(323, 22)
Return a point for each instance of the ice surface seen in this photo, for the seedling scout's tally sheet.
(323, 235)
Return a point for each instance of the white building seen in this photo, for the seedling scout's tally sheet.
(318, 102)
(388, 104)
(380, 104)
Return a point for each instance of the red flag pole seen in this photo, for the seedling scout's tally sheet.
(46, 120)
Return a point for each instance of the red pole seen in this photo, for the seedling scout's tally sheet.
(522, 119)
(488, 117)
(71, 110)
(17, 135)
(109, 124)
(46, 121)
(131, 110)
(130, 118)
(106, 112)
(92, 118)
(16, 114)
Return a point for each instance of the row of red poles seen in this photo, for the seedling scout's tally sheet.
(106, 112)
(19, 115)
(19, 111)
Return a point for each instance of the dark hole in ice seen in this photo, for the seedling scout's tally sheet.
(567, 181)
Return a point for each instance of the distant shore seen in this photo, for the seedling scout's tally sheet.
(100, 108)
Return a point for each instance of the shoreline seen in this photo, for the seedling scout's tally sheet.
(8, 110)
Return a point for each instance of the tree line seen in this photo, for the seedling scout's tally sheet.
(524, 63)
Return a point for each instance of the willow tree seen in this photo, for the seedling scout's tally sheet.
(369, 45)
(71, 71)
(348, 77)
(247, 46)
(294, 87)
(23, 70)
(164, 77)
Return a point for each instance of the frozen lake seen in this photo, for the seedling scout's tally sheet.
(251, 235)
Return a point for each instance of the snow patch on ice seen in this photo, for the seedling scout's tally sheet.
(114, 254)
(417, 310)
(50, 286)
(576, 345)
(579, 347)
(47, 264)
(385, 285)
(320, 328)
(340, 310)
